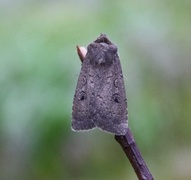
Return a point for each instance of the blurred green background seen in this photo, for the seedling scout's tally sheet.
(39, 68)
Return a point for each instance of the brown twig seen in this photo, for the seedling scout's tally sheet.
(81, 53)
(130, 148)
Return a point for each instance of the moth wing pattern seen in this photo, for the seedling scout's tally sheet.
(81, 120)
(111, 103)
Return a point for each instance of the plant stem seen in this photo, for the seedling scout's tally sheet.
(130, 148)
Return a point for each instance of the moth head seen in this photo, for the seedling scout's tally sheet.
(101, 53)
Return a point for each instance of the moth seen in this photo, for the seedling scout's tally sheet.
(100, 99)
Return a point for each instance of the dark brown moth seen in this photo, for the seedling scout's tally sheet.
(100, 99)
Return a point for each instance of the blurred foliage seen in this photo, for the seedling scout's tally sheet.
(39, 68)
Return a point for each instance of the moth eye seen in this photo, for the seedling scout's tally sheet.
(116, 98)
(82, 96)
